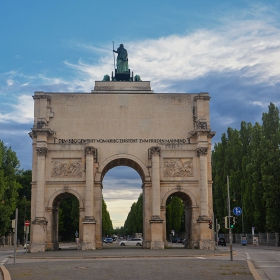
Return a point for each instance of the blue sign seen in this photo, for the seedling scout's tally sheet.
(237, 211)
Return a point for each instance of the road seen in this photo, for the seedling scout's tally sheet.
(127, 265)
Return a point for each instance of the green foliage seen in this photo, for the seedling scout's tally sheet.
(175, 215)
(68, 218)
(134, 221)
(9, 186)
(251, 158)
(107, 226)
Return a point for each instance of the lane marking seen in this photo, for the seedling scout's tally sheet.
(202, 258)
(4, 261)
(247, 256)
(268, 266)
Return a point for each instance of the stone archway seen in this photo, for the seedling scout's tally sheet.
(191, 214)
(78, 137)
(52, 216)
(111, 162)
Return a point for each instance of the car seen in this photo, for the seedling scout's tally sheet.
(26, 245)
(177, 240)
(108, 240)
(222, 241)
(132, 242)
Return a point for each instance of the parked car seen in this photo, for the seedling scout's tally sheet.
(132, 242)
(222, 241)
(26, 245)
(108, 240)
(177, 240)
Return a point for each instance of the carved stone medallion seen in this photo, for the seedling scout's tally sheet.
(178, 167)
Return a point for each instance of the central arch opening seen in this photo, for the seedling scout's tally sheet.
(122, 181)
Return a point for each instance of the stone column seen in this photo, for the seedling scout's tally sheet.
(156, 221)
(39, 224)
(206, 234)
(89, 221)
(204, 207)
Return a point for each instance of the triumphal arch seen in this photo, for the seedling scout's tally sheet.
(78, 137)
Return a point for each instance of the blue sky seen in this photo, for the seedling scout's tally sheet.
(230, 49)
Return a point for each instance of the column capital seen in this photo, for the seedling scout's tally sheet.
(42, 151)
(202, 151)
(91, 151)
(153, 151)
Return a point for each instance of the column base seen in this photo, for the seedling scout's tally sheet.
(38, 236)
(207, 244)
(89, 234)
(156, 233)
(52, 246)
(157, 245)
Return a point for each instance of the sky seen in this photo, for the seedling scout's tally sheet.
(230, 49)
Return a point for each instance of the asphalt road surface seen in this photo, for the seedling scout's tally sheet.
(132, 269)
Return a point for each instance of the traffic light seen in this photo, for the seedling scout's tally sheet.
(232, 222)
(226, 222)
(210, 224)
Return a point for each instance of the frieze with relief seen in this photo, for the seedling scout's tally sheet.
(178, 167)
(67, 169)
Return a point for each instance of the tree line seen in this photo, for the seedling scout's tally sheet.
(251, 158)
(175, 217)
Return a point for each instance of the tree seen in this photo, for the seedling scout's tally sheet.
(251, 158)
(270, 168)
(68, 218)
(107, 225)
(24, 200)
(9, 187)
(174, 214)
(134, 221)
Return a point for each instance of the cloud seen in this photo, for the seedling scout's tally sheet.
(21, 113)
(248, 47)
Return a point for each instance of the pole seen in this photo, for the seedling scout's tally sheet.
(24, 233)
(217, 233)
(114, 56)
(213, 228)
(242, 213)
(15, 236)
(229, 230)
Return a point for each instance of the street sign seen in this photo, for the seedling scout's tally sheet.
(27, 223)
(237, 211)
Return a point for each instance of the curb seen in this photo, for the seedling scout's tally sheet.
(253, 271)
(5, 273)
(113, 257)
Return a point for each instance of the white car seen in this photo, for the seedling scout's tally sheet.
(26, 245)
(132, 242)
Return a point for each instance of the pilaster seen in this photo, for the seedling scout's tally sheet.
(89, 222)
(156, 222)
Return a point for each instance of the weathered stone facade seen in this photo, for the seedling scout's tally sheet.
(78, 137)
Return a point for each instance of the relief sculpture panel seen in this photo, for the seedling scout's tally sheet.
(178, 167)
(67, 168)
